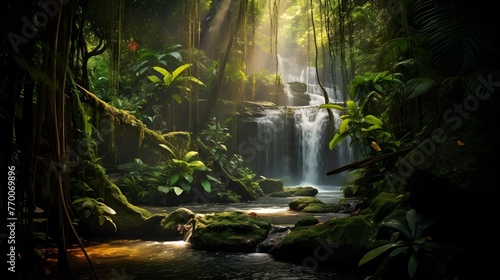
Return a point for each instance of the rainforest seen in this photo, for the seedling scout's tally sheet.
(249, 139)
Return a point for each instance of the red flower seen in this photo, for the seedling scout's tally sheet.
(132, 45)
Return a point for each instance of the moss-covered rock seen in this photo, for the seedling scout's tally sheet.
(170, 223)
(306, 221)
(385, 206)
(295, 191)
(313, 205)
(270, 185)
(229, 231)
(336, 243)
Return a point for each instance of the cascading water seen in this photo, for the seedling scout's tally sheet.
(310, 124)
(295, 138)
(295, 145)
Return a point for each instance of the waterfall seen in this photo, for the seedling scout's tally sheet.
(292, 72)
(271, 135)
(311, 124)
(293, 139)
(295, 145)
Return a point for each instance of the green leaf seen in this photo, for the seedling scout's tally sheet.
(412, 219)
(161, 70)
(168, 149)
(398, 251)
(189, 155)
(412, 265)
(372, 254)
(371, 119)
(179, 70)
(164, 189)
(336, 139)
(197, 164)
(344, 125)
(154, 79)
(188, 177)
(178, 191)
(174, 178)
(86, 213)
(397, 225)
(168, 79)
(111, 221)
(177, 98)
(101, 220)
(213, 179)
(206, 185)
(107, 209)
(191, 79)
(331, 106)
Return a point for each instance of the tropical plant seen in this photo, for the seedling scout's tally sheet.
(88, 206)
(174, 79)
(149, 58)
(424, 257)
(369, 89)
(180, 173)
(364, 130)
(215, 137)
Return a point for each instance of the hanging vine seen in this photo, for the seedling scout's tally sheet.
(274, 6)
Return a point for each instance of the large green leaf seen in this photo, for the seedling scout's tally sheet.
(107, 209)
(372, 254)
(161, 70)
(188, 177)
(206, 185)
(168, 149)
(174, 178)
(164, 189)
(397, 225)
(371, 119)
(331, 106)
(154, 79)
(412, 265)
(191, 79)
(179, 70)
(189, 155)
(197, 164)
(178, 191)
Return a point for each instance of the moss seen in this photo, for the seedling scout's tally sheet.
(313, 205)
(343, 241)
(306, 221)
(179, 216)
(229, 231)
(383, 205)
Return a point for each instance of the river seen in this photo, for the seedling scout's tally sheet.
(143, 259)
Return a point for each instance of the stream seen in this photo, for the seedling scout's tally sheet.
(142, 259)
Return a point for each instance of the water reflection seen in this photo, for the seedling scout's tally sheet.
(138, 259)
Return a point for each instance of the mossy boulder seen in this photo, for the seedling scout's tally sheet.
(170, 223)
(270, 185)
(385, 206)
(295, 191)
(313, 205)
(336, 243)
(229, 231)
(306, 221)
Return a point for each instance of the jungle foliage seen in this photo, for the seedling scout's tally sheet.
(83, 78)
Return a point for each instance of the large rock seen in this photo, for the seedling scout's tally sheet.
(270, 185)
(336, 243)
(275, 236)
(170, 224)
(229, 231)
(295, 191)
(313, 205)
